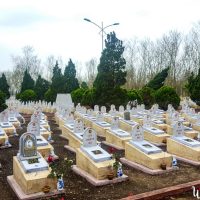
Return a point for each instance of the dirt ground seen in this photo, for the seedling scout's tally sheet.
(78, 188)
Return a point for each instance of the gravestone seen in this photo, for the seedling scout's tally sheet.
(100, 117)
(121, 109)
(70, 118)
(78, 126)
(4, 116)
(34, 128)
(175, 116)
(89, 138)
(28, 146)
(128, 107)
(96, 108)
(178, 129)
(147, 121)
(115, 123)
(103, 109)
(35, 118)
(127, 115)
(137, 133)
(83, 110)
(90, 112)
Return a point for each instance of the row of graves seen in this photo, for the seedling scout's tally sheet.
(153, 140)
(31, 169)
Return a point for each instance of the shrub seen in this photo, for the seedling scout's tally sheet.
(3, 106)
(77, 95)
(28, 95)
(50, 95)
(134, 95)
(116, 96)
(167, 95)
(88, 98)
(147, 95)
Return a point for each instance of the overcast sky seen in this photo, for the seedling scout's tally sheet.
(56, 27)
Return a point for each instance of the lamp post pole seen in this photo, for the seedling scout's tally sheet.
(102, 28)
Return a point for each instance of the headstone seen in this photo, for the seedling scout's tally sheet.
(96, 108)
(100, 117)
(78, 126)
(147, 121)
(28, 145)
(69, 118)
(121, 109)
(115, 123)
(35, 118)
(4, 116)
(128, 107)
(137, 133)
(90, 112)
(178, 129)
(112, 107)
(127, 115)
(89, 138)
(175, 116)
(83, 110)
(34, 128)
(103, 109)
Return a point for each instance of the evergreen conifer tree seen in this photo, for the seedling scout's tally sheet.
(4, 87)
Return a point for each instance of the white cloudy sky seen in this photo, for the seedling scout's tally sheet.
(56, 27)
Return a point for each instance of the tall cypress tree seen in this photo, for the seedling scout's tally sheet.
(193, 87)
(41, 86)
(4, 87)
(70, 77)
(158, 81)
(111, 72)
(58, 82)
(28, 82)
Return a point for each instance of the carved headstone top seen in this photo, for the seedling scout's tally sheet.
(178, 129)
(127, 115)
(35, 118)
(103, 109)
(96, 108)
(137, 133)
(4, 116)
(121, 109)
(83, 110)
(100, 117)
(34, 128)
(69, 117)
(147, 121)
(128, 107)
(89, 138)
(90, 112)
(115, 123)
(28, 145)
(78, 126)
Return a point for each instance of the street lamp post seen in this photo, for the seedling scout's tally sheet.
(102, 28)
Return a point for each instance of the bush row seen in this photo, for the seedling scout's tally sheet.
(163, 96)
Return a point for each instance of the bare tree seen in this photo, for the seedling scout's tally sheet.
(30, 61)
(91, 71)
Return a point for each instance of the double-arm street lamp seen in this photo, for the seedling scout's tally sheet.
(102, 28)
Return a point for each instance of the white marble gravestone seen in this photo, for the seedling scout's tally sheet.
(78, 129)
(100, 120)
(147, 121)
(90, 147)
(96, 108)
(121, 109)
(69, 120)
(89, 138)
(141, 144)
(103, 109)
(116, 130)
(4, 122)
(115, 123)
(34, 128)
(178, 135)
